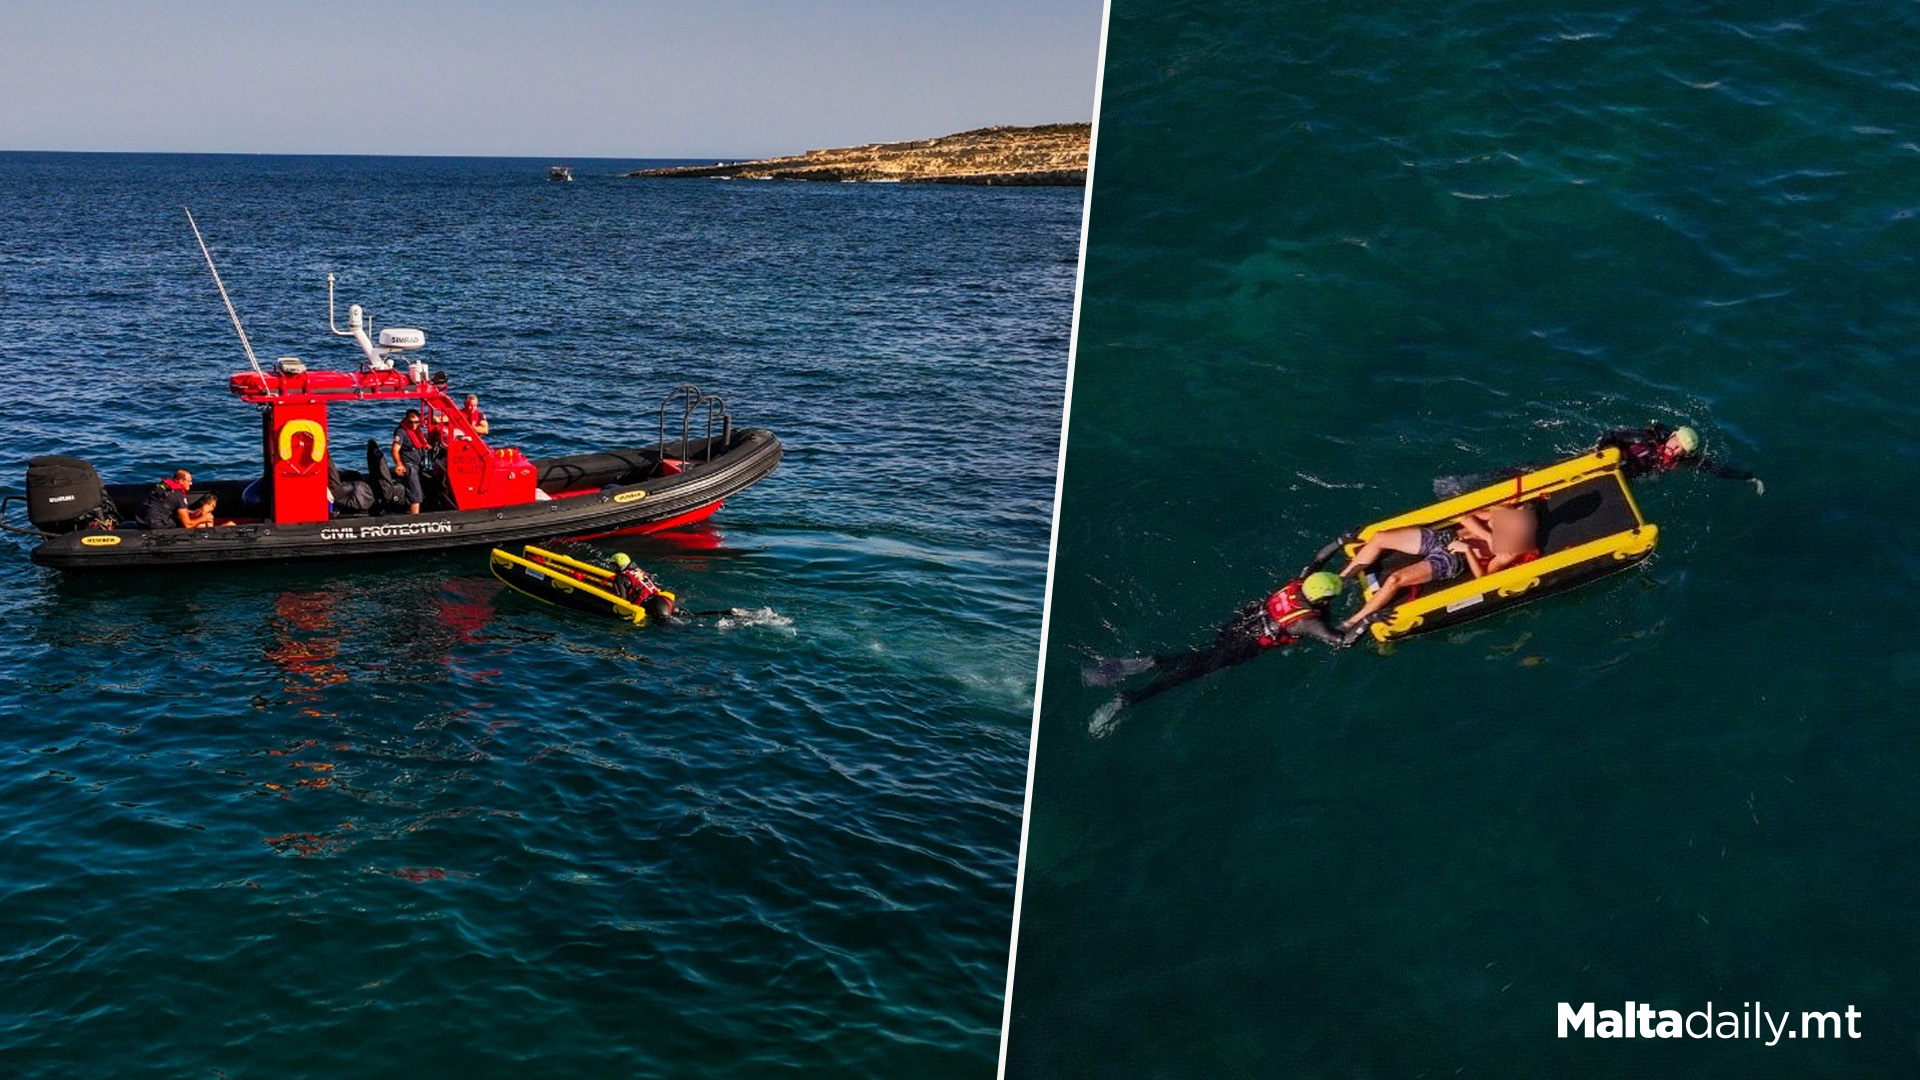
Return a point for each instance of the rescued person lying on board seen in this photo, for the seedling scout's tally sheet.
(1485, 542)
(1299, 608)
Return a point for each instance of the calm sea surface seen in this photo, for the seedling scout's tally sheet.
(388, 820)
(1338, 251)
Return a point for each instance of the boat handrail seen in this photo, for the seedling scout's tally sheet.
(9, 500)
(691, 401)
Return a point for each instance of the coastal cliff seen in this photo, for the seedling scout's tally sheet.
(1052, 154)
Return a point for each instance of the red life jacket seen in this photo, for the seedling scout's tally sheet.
(418, 439)
(1287, 605)
(1644, 456)
(637, 585)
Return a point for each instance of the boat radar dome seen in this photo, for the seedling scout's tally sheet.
(402, 339)
(392, 340)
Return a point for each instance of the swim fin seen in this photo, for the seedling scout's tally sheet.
(1105, 718)
(1108, 672)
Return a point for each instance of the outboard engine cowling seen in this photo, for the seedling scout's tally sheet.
(64, 494)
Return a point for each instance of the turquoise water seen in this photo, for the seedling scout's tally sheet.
(388, 820)
(1337, 252)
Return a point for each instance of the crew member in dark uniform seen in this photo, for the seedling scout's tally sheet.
(410, 446)
(1301, 608)
(166, 506)
(1658, 448)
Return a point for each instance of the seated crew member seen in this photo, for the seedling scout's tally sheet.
(476, 419)
(166, 505)
(410, 447)
(1300, 608)
(1657, 448)
(637, 587)
(1488, 541)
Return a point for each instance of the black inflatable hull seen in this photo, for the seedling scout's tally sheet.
(598, 495)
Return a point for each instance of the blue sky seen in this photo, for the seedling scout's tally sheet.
(556, 78)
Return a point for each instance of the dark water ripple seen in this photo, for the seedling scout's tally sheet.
(1337, 252)
(387, 821)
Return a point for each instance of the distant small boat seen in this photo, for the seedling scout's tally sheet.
(560, 172)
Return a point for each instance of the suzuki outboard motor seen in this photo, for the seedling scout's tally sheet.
(64, 494)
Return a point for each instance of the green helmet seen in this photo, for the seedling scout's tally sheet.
(1324, 585)
(1687, 438)
(621, 560)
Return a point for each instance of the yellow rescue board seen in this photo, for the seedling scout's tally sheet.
(1586, 501)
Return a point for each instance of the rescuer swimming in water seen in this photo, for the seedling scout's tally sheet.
(1300, 608)
(637, 587)
(1658, 448)
(1648, 451)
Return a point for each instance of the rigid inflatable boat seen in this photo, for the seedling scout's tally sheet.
(304, 504)
(561, 580)
(1590, 526)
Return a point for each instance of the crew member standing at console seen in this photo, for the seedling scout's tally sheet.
(410, 447)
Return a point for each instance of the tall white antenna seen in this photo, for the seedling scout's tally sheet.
(234, 315)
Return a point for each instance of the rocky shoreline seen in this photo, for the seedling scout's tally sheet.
(1053, 155)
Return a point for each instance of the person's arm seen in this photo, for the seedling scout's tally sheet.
(1466, 554)
(399, 466)
(1621, 438)
(1317, 629)
(1321, 557)
(1725, 472)
(1477, 525)
(184, 514)
(1496, 564)
(480, 428)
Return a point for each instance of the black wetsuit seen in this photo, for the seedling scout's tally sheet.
(163, 506)
(1246, 635)
(1640, 454)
